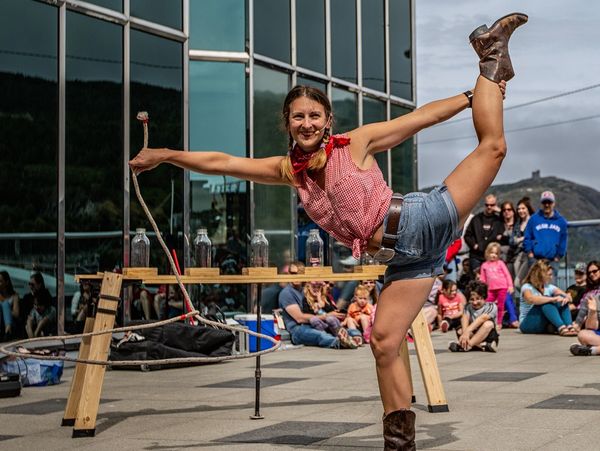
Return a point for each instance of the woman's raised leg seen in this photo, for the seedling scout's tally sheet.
(473, 176)
(397, 307)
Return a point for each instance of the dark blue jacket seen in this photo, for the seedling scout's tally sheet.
(546, 237)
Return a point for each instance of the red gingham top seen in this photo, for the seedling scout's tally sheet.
(354, 201)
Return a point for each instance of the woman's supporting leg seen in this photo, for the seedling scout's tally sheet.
(397, 307)
(473, 176)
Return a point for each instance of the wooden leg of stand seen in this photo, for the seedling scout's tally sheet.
(406, 359)
(78, 377)
(429, 369)
(87, 410)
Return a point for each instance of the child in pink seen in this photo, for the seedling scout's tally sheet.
(495, 274)
(451, 304)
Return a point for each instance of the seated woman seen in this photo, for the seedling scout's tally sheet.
(544, 304)
(324, 313)
(9, 306)
(592, 289)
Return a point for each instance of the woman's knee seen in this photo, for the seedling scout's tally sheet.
(384, 348)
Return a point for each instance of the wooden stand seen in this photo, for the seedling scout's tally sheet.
(84, 396)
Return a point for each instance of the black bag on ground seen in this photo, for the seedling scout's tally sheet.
(174, 340)
(10, 385)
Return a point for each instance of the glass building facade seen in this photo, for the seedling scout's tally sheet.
(212, 74)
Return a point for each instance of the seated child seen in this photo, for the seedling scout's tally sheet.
(451, 304)
(478, 322)
(41, 321)
(359, 312)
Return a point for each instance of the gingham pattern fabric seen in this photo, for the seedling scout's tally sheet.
(354, 201)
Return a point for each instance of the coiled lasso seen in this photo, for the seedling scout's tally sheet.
(192, 313)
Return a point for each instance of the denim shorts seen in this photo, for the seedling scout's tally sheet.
(428, 225)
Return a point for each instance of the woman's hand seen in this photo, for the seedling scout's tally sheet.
(147, 160)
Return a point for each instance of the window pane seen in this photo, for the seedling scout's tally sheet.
(345, 110)
(311, 82)
(273, 202)
(218, 25)
(374, 111)
(160, 11)
(400, 49)
(117, 5)
(373, 45)
(93, 145)
(156, 87)
(28, 147)
(310, 41)
(272, 29)
(343, 39)
(403, 160)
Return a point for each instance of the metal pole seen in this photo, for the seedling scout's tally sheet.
(257, 374)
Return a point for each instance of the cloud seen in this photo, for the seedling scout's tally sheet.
(555, 52)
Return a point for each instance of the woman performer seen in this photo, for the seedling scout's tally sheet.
(342, 189)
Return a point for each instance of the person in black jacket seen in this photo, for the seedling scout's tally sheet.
(484, 228)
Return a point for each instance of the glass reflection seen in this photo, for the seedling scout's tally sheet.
(311, 82)
(373, 45)
(218, 25)
(163, 12)
(28, 152)
(403, 159)
(310, 41)
(375, 111)
(220, 204)
(343, 39)
(345, 110)
(400, 49)
(272, 29)
(273, 202)
(116, 5)
(156, 87)
(93, 153)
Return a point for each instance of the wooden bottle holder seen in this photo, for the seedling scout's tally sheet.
(316, 270)
(258, 272)
(369, 269)
(202, 272)
(140, 272)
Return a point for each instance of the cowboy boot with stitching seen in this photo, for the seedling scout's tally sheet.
(399, 430)
(491, 45)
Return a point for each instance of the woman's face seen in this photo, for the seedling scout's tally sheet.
(508, 213)
(315, 288)
(548, 275)
(307, 122)
(593, 273)
(369, 285)
(522, 211)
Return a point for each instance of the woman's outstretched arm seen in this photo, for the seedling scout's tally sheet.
(381, 136)
(260, 170)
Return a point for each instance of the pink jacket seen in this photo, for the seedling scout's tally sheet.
(495, 274)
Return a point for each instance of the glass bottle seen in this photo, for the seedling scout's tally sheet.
(202, 249)
(140, 249)
(260, 249)
(314, 249)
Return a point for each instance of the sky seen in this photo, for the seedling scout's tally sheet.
(556, 52)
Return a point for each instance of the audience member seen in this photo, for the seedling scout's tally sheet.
(466, 275)
(495, 275)
(508, 219)
(373, 289)
(41, 321)
(589, 339)
(36, 285)
(478, 322)
(520, 259)
(80, 305)
(577, 289)
(360, 313)
(546, 233)
(483, 228)
(325, 316)
(451, 304)
(544, 304)
(592, 289)
(297, 322)
(9, 306)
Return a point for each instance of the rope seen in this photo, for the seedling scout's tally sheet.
(192, 313)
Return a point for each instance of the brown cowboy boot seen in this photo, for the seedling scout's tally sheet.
(491, 45)
(399, 430)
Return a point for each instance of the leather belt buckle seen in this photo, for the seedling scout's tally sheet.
(386, 251)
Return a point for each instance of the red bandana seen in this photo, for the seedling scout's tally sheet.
(300, 158)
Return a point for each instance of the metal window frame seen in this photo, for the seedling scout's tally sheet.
(61, 251)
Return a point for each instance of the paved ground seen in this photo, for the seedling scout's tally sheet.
(530, 395)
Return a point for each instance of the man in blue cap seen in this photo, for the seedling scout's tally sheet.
(546, 233)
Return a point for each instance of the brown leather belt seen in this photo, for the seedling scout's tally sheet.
(390, 233)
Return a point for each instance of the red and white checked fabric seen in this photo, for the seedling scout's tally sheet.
(354, 201)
